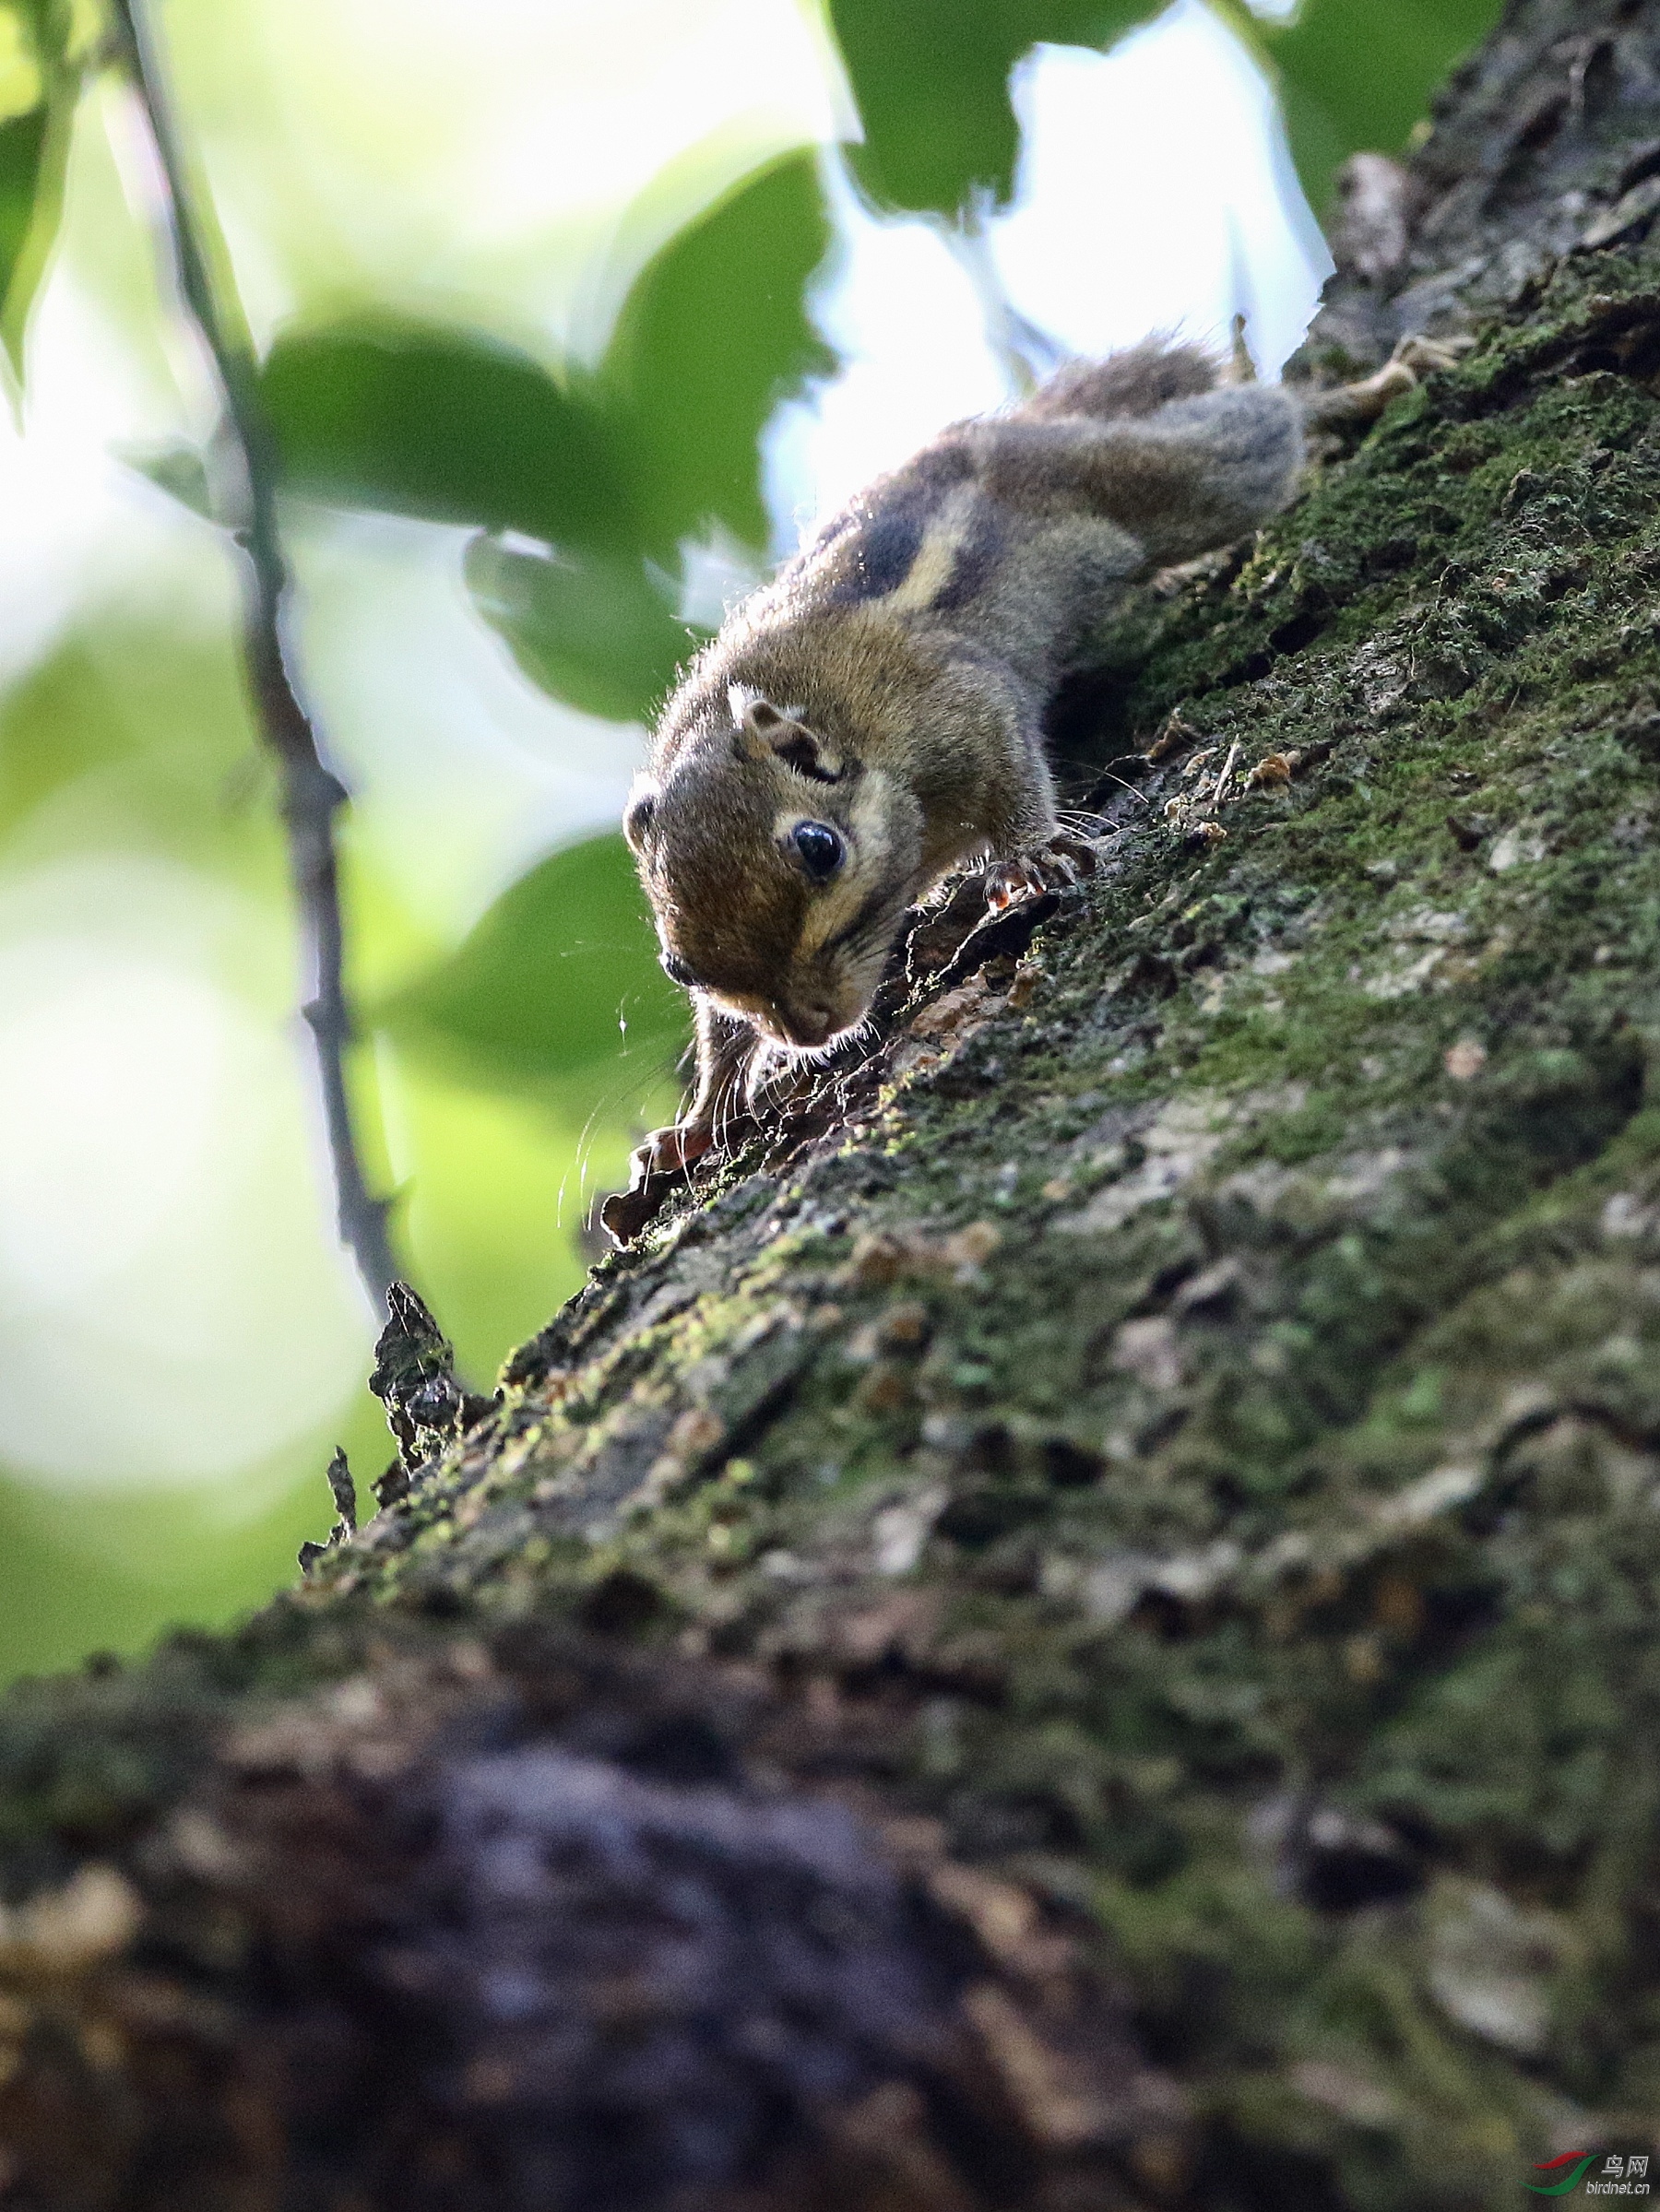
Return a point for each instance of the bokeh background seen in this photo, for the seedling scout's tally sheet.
(571, 316)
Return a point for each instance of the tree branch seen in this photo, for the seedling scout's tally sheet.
(311, 793)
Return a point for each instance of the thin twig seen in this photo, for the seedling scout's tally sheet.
(311, 795)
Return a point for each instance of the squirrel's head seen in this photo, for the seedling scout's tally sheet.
(778, 864)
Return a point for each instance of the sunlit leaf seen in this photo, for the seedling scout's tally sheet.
(563, 966)
(446, 425)
(712, 332)
(87, 25)
(22, 79)
(932, 80)
(1357, 75)
(592, 629)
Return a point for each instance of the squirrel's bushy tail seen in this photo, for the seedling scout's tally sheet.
(1135, 382)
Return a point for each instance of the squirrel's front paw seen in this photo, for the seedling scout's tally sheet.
(670, 1151)
(666, 1152)
(1057, 866)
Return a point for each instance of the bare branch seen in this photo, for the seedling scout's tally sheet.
(311, 793)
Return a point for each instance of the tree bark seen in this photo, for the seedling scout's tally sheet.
(1076, 1628)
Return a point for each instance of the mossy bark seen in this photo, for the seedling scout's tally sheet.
(1078, 1627)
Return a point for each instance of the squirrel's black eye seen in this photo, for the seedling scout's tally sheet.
(820, 847)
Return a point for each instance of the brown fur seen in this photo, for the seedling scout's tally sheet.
(887, 688)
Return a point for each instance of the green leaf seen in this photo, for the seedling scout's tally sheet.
(590, 628)
(22, 74)
(22, 144)
(1358, 74)
(176, 467)
(38, 92)
(440, 423)
(714, 331)
(932, 80)
(546, 978)
(423, 419)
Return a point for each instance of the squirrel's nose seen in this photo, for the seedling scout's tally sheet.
(806, 1024)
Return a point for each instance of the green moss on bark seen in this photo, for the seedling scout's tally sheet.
(1213, 1403)
(1194, 1433)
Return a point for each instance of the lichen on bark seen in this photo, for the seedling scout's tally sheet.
(1134, 1510)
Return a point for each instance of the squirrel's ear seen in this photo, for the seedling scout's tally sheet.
(636, 815)
(761, 728)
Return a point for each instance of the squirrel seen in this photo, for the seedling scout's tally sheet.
(872, 718)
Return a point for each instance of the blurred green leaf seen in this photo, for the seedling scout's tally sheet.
(85, 25)
(932, 80)
(592, 629)
(176, 467)
(106, 1569)
(495, 1181)
(1357, 75)
(560, 965)
(140, 737)
(714, 331)
(606, 473)
(39, 86)
(421, 419)
(22, 144)
(22, 67)
(446, 425)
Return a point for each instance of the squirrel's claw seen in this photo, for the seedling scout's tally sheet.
(1085, 853)
(1412, 360)
(1009, 881)
(1057, 867)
